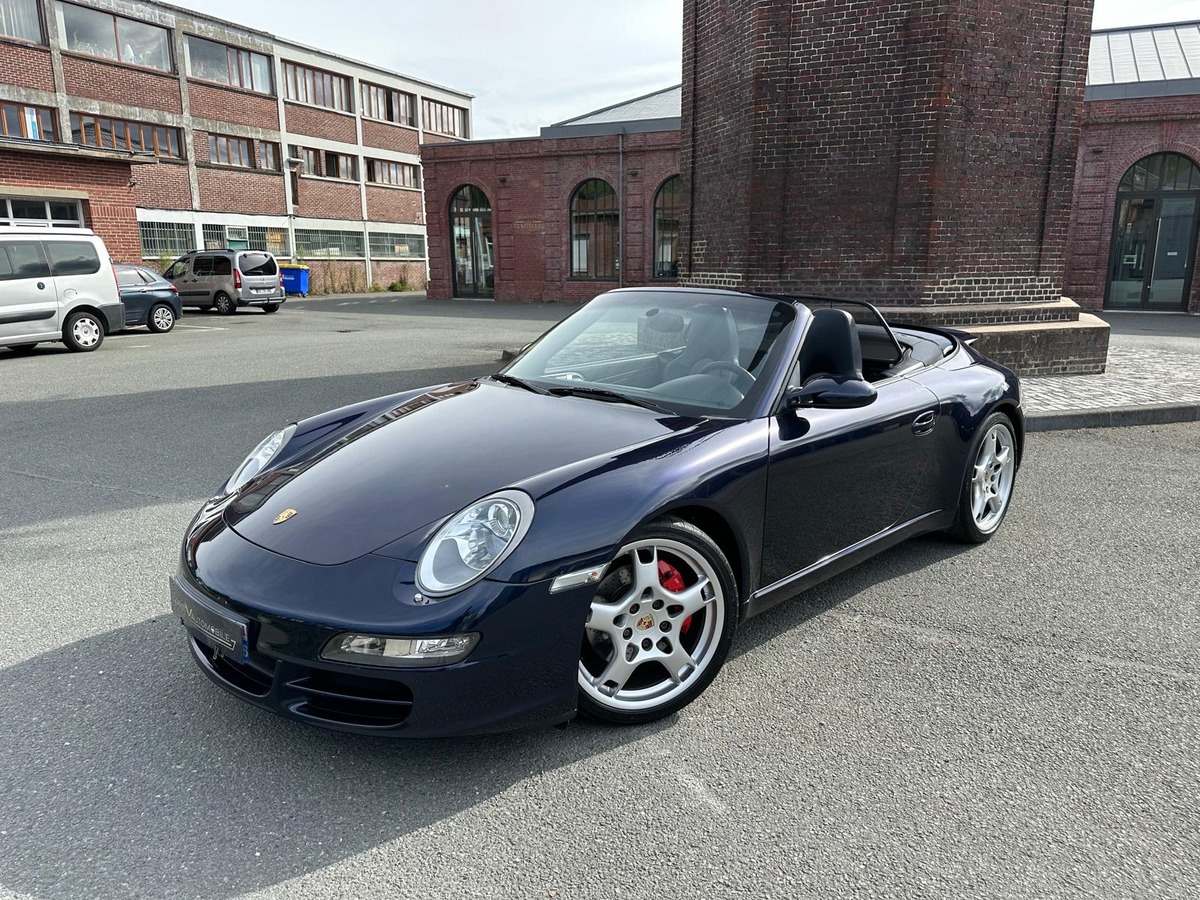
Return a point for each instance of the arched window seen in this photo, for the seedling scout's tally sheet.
(471, 243)
(666, 229)
(595, 230)
(1154, 236)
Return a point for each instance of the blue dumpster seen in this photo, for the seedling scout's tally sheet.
(294, 278)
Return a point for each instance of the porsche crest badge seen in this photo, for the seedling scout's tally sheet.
(284, 516)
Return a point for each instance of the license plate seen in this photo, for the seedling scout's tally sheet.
(220, 628)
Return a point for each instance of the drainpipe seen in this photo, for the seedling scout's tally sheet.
(621, 207)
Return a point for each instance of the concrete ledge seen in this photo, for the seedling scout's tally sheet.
(1113, 417)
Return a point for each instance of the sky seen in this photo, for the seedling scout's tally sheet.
(531, 63)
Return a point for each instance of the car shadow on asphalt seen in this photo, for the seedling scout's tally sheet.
(125, 774)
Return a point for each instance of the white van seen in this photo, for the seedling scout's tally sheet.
(56, 285)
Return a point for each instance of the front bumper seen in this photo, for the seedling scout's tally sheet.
(521, 675)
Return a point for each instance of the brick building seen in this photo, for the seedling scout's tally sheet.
(1137, 190)
(168, 130)
(591, 204)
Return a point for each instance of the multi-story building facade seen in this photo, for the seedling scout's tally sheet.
(236, 138)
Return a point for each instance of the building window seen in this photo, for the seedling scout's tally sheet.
(316, 87)
(444, 118)
(19, 19)
(30, 123)
(397, 246)
(595, 230)
(42, 213)
(229, 65)
(341, 165)
(381, 171)
(114, 37)
(89, 130)
(230, 151)
(312, 242)
(666, 229)
(388, 105)
(272, 240)
(214, 236)
(167, 238)
(268, 155)
(311, 157)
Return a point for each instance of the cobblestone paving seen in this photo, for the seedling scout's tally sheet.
(1136, 376)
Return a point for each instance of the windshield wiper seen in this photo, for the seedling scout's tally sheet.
(518, 382)
(609, 396)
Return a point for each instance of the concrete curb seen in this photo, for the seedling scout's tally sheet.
(1113, 417)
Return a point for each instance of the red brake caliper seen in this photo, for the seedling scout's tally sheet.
(671, 579)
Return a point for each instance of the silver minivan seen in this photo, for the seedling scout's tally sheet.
(227, 279)
(56, 285)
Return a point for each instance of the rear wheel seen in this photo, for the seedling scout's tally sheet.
(988, 484)
(83, 332)
(161, 318)
(270, 307)
(225, 304)
(660, 625)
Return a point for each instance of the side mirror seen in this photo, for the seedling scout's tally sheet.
(824, 392)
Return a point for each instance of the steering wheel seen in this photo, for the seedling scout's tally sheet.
(742, 380)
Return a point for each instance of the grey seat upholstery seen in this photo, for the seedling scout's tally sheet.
(831, 347)
(711, 336)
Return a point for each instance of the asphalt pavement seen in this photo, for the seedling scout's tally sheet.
(1018, 720)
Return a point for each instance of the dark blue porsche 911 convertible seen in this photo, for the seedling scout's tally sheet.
(584, 531)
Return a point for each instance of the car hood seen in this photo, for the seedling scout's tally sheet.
(417, 463)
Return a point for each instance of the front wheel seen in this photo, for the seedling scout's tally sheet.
(659, 627)
(83, 332)
(161, 319)
(988, 484)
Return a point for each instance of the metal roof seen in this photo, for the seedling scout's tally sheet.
(1147, 61)
(664, 104)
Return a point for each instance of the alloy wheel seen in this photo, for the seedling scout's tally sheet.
(163, 318)
(992, 479)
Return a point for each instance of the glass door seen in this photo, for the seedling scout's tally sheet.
(1173, 247)
(472, 238)
(1131, 253)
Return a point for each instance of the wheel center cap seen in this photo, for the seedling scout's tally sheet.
(645, 623)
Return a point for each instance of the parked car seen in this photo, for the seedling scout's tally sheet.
(226, 279)
(584, 530)
(56, 285)
(149, 298)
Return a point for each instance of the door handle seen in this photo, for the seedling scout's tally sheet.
(923, 424)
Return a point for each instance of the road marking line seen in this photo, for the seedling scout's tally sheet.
(202, 327)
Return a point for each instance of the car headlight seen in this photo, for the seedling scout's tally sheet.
(259, 457)
(474, 542)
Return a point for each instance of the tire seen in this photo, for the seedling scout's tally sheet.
(161, 318)
(22, 349)
(270, 307)
(225, 304)
(83, 332)
(689, 630)
(988, 481)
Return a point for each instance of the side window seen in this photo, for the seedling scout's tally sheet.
(72, 257)
(202, 266)
(147, 277)
(222, 265)
(27, 260)
(128, 277)
(177, 269)
(6, 269)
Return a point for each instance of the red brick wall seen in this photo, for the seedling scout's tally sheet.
(119, 83)
(248, 191)
(1116, 134)
(912, 152)
(304, 120)
(391, 271)
(530, 183)
(109, 209)
(390, 137)
(439, 139)
(25, 66)
(162, 186)
(324, 199)
(394, 205)
(224, 104)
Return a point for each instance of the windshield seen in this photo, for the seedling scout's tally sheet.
(257, 264)
(693, 353)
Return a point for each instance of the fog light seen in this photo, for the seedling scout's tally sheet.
(384, 650)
